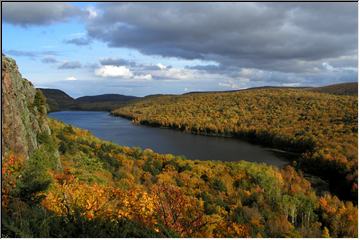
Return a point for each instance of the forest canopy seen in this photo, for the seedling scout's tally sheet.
(99, 189)
(322, 127)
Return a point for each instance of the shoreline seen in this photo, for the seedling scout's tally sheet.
(313, 177)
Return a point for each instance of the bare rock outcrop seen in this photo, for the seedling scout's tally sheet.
(23, 111)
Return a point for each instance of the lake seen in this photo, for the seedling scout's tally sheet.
(122, 131)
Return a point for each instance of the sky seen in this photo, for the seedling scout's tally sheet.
(150, 48)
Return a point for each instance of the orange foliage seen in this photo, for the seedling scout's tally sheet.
(11, 165)
(165, 205)
(73, 197)
(231, 229)
(99, 201)
(341, 218)
(177, 211)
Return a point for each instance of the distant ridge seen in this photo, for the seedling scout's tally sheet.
(57, 100)
(247, 89)
(56, 92)
(350, 88)
(105, 98)
(60, 101)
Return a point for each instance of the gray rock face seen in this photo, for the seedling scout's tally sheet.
(22, 116)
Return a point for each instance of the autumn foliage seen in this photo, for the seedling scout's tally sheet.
(321, 127)
(11, 166)
(106, 190)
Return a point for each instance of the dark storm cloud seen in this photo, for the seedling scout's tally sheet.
(79, 41)
(38, 13)
(288, 37)
(70, 65)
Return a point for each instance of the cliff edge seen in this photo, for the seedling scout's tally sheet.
(23, 111)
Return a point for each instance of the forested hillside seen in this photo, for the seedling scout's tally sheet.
(105, 190)
(72, 184)
(58, 100)
(350, 88)
(322, 127)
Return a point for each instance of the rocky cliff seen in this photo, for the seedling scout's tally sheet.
(23, 111)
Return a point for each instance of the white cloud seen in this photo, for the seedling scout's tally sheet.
(143, 77)
(237, 83)
(247, 72)
(161, 66)
(114, 71)
(229, 85)
(290, 84)
(176, 74)
(121, 72)
(71, 78)
(92, 12)
(328, 67)
(331, 68)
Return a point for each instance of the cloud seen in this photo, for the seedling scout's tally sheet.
(229, 84)
(114, 71)
(291, 84)
(91, 66)
(229, 77)
(331, 68)
(287, 37)
(161, 66)
(143, 77)
(327, 66)
(92, 12)
(117, 62)
(38, 13)
(144, 71)
(120, 68)
(176, 74)
(49, 60)
(244, 44)
(79, 41)
(30, 54)
(20, 53)
(70, 65)
(72, 78)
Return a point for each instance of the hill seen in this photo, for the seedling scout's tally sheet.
(60, 101)
(322, 127)
(350, 88)
(106, 98)
(339, 89)
(245, 89)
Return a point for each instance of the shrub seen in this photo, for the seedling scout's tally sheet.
(34, 178)
(40, 102)
(153, 166)
(218, 185)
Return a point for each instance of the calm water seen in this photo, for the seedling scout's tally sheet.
(123, 132)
